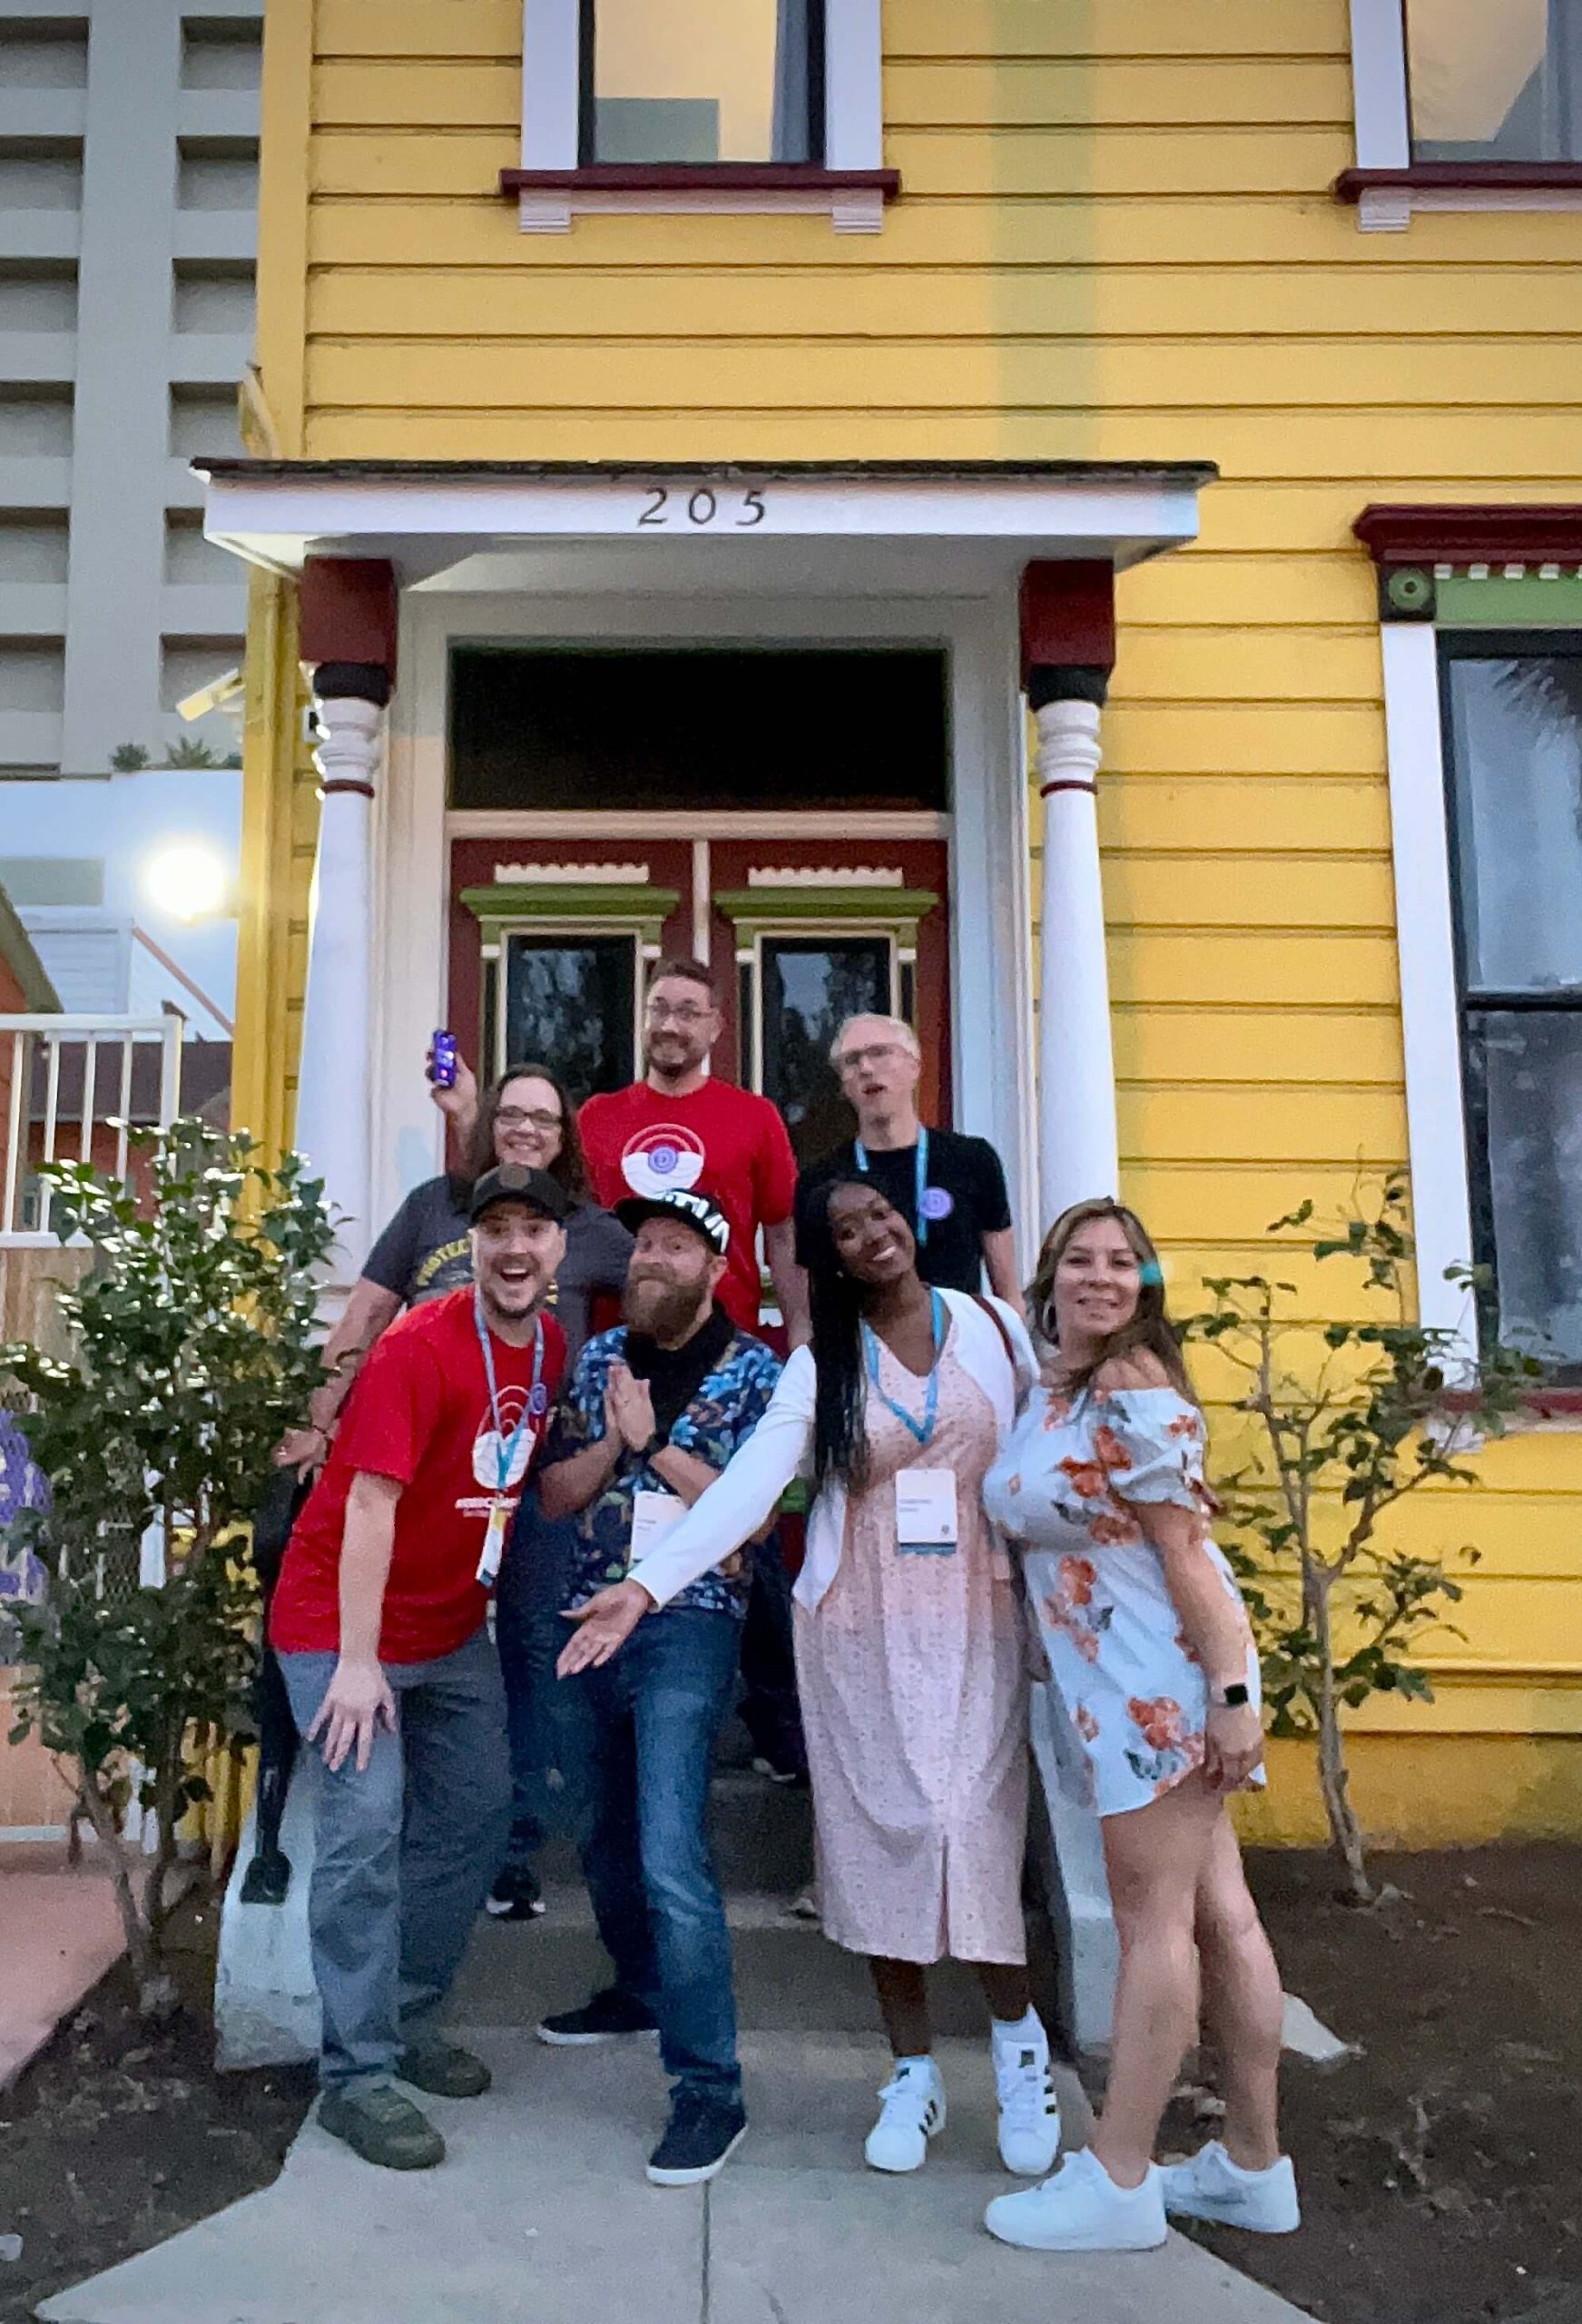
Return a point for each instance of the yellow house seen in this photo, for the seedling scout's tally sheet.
(706, 456)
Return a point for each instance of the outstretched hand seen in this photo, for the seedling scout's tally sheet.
(604, 1626)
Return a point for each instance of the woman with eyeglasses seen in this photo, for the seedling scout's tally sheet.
(525, 1116)
(911, 1642)
(1102, 1485)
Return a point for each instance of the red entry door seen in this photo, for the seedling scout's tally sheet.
(551, 942)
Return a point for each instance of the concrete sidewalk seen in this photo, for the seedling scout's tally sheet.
(542, 2211)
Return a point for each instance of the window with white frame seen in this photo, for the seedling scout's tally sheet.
(1512, 727)
(710, 104)
(1463, 104)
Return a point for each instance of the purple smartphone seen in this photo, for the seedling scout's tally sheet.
(443, 1059)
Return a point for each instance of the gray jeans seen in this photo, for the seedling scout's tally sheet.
(403, 1853)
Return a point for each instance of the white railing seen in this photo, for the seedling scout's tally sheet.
(73, 1123)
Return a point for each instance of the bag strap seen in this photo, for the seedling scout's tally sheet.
(998, 1320)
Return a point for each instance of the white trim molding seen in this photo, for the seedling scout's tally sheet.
(1429, 1020)
(552, 83)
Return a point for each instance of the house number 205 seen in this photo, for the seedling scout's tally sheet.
(702, 509)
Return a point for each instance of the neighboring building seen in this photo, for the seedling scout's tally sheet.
(675, 436)
(128, 200)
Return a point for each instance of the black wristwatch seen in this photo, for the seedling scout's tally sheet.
(1231, 1698)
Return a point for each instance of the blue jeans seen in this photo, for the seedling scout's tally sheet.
(403, 1853)
(529, 1633)
(643, 1731)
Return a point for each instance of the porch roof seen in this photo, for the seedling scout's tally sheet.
(738, 522)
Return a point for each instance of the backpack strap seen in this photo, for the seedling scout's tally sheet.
(998, 1320)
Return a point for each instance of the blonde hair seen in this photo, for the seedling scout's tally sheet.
(898, 1026)
(1150, 1327)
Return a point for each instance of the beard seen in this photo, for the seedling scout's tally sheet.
(659, 1310)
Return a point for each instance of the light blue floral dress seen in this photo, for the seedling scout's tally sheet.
(1064, 1487)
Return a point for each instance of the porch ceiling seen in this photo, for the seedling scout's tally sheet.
(912, 529)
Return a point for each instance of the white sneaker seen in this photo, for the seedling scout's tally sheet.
(1211, 2186)
(1030, 2118)
(1081, 2209)
(913, 2112)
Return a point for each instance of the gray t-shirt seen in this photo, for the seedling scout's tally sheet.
(425, 1252)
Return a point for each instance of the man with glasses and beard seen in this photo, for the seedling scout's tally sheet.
(683, 1126)
(654, 1411)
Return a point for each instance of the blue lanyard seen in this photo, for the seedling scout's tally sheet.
(919, 1215)
(535, 1404)
(924, 1429)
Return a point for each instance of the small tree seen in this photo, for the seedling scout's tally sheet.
(1352, 1418)
(192, 1338)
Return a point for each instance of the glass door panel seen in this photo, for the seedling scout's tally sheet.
(571, 1002)
(809, 986)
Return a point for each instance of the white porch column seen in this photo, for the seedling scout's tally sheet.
(333, 1125)
(1068, 618)
(1077, 1152)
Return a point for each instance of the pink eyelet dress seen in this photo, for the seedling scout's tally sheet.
(1063, 1487)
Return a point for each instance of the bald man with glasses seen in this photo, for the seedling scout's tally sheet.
(951, 1189)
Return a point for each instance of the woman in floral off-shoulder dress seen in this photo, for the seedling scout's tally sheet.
(1102, 1483)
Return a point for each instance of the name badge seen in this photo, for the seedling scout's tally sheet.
(925, 1510)
(652, 1515)
(493, 1547)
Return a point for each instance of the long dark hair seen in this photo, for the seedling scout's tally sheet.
(835, 1301)
(1149, 1328)
(569, 1168)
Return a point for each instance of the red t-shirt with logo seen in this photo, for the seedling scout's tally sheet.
(420, 1414)
(732, 1144)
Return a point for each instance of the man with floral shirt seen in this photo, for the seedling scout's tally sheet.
(654, 1413)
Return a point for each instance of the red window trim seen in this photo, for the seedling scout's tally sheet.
(1530, 533)
(1462, 177)
(702, 177)
(1547, 1403)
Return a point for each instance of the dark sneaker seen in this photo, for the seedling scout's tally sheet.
(383, 2127)
(515, 1895)
(606, 2018)
(444, 2070)
(703, 2134)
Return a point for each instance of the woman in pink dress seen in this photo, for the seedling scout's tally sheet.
(911, 1648)
(1101, 1482)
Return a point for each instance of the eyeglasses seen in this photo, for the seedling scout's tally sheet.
(880, 1053)
(667, 1012)
(520, 1118)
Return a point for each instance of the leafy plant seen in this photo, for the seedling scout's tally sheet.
(1352, 1417)
(128, 758)
(190, 751)
(192, 1338)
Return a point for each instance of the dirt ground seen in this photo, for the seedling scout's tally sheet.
(1440, 2169)
(115, 2137)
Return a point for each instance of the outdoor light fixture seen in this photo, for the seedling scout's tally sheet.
(187, 880)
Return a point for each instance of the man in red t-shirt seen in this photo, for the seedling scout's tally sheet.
(378, 1622)
(682, 1127)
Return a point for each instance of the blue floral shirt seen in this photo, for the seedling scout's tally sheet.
(726, 1408)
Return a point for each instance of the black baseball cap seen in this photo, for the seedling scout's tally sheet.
(689, 1204)
(513, 1182)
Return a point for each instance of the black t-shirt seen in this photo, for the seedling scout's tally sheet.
(968, 1183)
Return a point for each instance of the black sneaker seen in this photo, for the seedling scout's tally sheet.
(705, 2133)
(515, 1896)
(608, 2016)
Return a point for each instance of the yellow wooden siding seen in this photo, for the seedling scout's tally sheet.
(1116, 239)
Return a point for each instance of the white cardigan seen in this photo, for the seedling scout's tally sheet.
(747, 1493)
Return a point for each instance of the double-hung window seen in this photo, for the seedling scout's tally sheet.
(715, 105)
(1511, 708)
(1465, 104)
